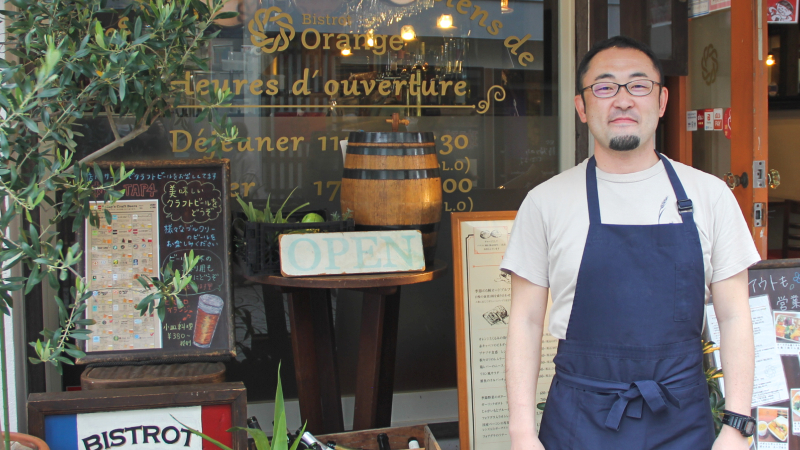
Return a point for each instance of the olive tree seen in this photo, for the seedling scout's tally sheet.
(65, 63)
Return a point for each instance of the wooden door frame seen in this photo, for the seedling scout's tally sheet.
(749, 118)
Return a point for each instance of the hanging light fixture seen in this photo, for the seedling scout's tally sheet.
(346, 50)
(445, 21)
(370, 38)
(770, 60)
(408, 33)
(504, 8)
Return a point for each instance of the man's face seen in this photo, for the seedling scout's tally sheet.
(622, 122)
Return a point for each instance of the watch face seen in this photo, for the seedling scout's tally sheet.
(749, 427)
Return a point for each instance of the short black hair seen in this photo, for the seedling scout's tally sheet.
(617, 42)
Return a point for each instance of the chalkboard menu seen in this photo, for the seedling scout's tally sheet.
(169, 208)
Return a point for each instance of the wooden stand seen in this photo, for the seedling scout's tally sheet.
(314, 347)
(152, 375)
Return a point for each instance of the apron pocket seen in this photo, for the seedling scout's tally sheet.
(559, 420)
(690, 427)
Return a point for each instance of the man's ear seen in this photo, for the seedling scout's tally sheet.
(662, 101)
(580, 107)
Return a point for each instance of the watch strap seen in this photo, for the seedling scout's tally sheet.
(739, 422)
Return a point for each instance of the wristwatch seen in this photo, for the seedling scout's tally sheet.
(745, 424)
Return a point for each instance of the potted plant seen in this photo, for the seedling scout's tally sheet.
(280, 440)
(257, 239)
(69, 61)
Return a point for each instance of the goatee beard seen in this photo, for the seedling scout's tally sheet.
(624, 143)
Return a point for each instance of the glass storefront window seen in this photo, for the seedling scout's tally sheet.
(481, 75)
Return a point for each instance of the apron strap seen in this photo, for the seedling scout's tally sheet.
(591, 192)
(684, 203)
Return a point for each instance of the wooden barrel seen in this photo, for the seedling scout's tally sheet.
(391, 182)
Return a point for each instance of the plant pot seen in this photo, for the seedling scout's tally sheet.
(259, 251)
(26, 440)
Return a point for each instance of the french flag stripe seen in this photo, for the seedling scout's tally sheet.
(216, 421)
(61, 432)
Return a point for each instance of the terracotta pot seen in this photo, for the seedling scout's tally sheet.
(26, 440)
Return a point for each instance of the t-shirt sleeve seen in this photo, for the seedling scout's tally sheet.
(733, 249)
(526, 254)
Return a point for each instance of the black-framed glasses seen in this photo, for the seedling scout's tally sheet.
(608, 89)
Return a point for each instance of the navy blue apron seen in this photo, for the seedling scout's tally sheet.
(629, 374)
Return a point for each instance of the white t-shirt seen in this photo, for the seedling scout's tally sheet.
(549, 233)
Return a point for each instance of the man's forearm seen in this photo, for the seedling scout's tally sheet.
(732, 309)
(523, 358)
(738, 361)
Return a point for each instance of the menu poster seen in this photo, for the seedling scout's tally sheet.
(782, 285)
(795, 407)
(483, 303)
(779, 282)
(769, 384)
(773, 428)
(168, 209)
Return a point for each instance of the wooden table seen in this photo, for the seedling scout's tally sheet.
(314, 348)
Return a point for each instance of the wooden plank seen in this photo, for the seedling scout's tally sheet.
(364, 281)
(678, 140)
(115, 377)
(311, 254)
(398, 438)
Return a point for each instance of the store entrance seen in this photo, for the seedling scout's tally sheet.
(784, 121)
(727, 114)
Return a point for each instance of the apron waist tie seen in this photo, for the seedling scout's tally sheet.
(630, 395)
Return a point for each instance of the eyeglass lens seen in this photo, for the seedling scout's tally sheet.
(638, 88)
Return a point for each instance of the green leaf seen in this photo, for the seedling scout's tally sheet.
(260, 438)
(279, 440)
(297, 441)
(47, 93)
(122, 87)
(30, 124)
(98, 34)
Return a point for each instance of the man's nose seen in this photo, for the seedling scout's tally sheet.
(623, 99)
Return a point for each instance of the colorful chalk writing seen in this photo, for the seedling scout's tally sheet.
(187, 211)
(191, 201)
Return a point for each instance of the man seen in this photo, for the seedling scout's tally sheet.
(631, 245)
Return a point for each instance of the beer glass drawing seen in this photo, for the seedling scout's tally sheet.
(209, 308)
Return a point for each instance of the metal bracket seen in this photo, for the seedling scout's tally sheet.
(758, 214)
(759, 174)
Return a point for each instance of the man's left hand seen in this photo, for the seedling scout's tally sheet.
(730, 439)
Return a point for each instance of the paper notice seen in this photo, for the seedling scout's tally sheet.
(708, 119)
(691, 120)
(769, 384)
(718, 119)
(795, 407)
